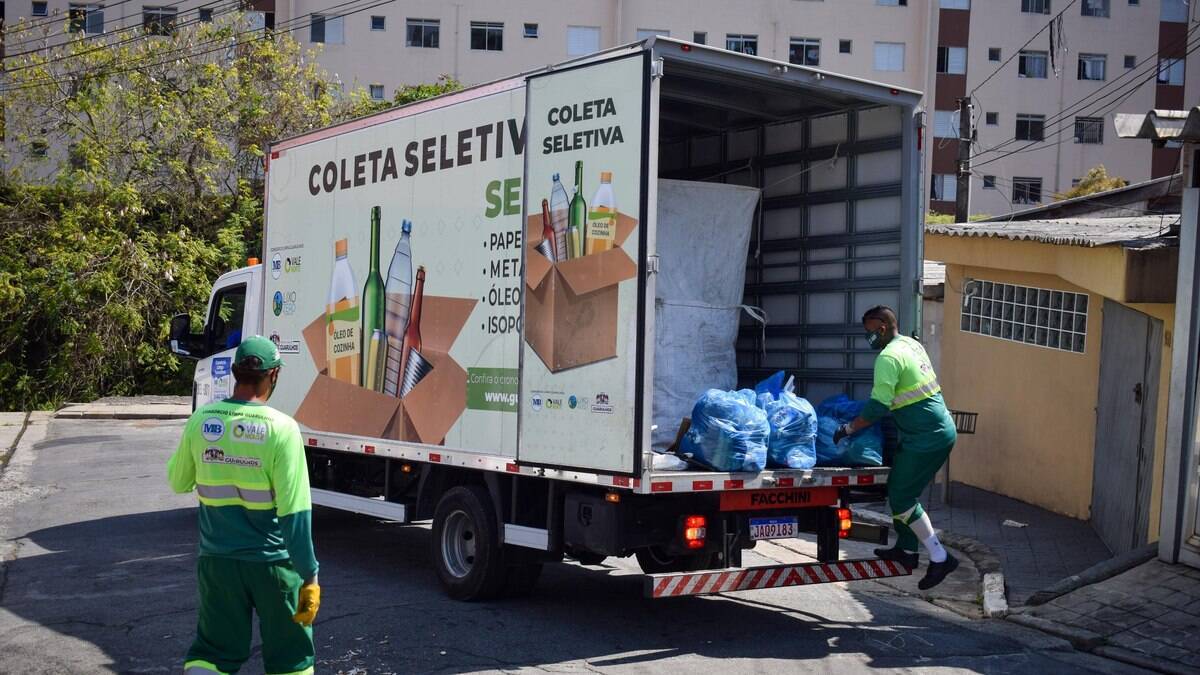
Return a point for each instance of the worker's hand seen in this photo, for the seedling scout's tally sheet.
(310, 602)
(842, 432)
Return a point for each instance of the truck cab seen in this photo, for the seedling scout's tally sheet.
(233, 312)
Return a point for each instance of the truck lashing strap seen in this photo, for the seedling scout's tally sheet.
(710, 582)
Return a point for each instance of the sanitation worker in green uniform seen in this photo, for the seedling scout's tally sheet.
(246, 463)
(906, 387)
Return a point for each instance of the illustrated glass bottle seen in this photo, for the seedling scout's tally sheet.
(602, 219)
(577, 218)
(415, 366)
(546, 247)
(343, 346)
(372, 304)
(399, 301)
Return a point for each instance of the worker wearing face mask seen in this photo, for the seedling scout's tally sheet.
(906, 387)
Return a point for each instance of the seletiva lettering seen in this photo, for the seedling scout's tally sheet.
(583, 111)
(435, 153)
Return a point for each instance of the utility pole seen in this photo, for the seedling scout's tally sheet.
(966, 132)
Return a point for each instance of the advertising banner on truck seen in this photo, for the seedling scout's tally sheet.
(393, 285)
(584, 237)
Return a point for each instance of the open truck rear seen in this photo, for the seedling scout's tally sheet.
(448, 360)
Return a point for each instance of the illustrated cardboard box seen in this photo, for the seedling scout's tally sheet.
(571, 306)
(425, 415)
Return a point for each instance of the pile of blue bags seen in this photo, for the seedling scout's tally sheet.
(748, 431)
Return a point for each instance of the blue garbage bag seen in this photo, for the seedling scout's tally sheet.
(773, 385)
(728, 432)
(864, 448)
(792, 443)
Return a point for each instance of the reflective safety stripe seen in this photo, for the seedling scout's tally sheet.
(202, 668)
(923, 391)
(235, 492)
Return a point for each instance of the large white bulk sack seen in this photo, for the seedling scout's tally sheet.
(703, 237)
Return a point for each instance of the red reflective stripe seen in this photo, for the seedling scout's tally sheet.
(865, 479)
(775, 574)
(702, 485)
(621, 481)
(841, 480)
(846, 573)
(786, 482)
(794, 578)
(734, 484)
(716, 587)
(812, 574)
(862, 570)
(435, 457)
(369, 449)
(661, 586)
(750, 579)
(875, 569)
(511, 468)
(312, 441)
(664, 486)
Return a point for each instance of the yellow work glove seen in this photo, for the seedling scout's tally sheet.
(310, 602)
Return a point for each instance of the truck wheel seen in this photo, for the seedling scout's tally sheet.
(466, 546)
(654, 560)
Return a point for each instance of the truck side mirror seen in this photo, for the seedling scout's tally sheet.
(182, 342)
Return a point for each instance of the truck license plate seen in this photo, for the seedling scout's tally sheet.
(773, 528)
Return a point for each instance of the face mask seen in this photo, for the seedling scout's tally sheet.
(875, 340)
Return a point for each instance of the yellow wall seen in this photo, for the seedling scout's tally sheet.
(1037, 421)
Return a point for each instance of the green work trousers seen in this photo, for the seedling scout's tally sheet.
(231, 591)
(911, 473)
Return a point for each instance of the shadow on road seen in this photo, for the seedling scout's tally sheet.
(125, 585)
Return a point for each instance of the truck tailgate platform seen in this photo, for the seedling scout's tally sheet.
(710, 582)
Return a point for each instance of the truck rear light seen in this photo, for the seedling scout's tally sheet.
(612, 497)
(844, 523)
(406, 468)
(251, 262)
(694, 531)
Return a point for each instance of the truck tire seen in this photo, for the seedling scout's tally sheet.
(466, 549)
(654, 560)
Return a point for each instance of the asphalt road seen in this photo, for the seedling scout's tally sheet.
(100, 578)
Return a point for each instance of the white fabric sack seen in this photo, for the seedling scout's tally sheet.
(703, 235)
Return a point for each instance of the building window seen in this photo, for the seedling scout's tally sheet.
(327, 29)
(945, 124)
(700, 37)
(1031, 127)
(956, 4)
(422, 33)
(376, 92)
(1034, 316)
(889, 56)
(1094, 8)
(746, 44)
(952, 60)
(944, 188)
(1174, 11)
(1032, 64)
(1092, 66)
(647, 33)
(582, 40)
(87, 19)
(1130, 61)
(531, 30)
(487, 36)
(39, 149)
(1089, 130)
(1170, 71)
(989, 182)
(378, 23)
(1035, 6)
(993, 53)
(845, 46)
(1026, 190)
(892, 3)
(992, 119)
(206, 15)
(1135, 2)
(39, 9)
(159, 20)
(805, 51)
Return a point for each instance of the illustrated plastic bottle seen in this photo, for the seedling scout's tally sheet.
(546, 247)
(372, 304)
(399, 300)
(559, 206)
(343, 348)
(577, 218)
(602, 217)
(415, 366)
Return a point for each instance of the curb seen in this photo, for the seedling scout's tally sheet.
(995, 602)
(68, 414)
(1099, 572)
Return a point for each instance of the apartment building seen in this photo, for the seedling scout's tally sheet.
(1024, 91)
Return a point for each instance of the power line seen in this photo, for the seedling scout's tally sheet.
(1027, 43)
(184, 52)
(55, 18)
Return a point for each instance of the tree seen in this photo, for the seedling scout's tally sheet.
(360, 102)
(1095, 180)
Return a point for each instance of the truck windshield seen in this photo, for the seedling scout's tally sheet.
(225, 323)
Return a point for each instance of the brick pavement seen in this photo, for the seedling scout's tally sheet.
(1151, 612)
(1050, 548)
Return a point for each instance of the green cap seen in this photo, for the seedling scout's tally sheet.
(260, 348)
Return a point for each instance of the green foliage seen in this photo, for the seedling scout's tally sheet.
(151, 188)
(1095, 180)
(948, 218)
(360, 102)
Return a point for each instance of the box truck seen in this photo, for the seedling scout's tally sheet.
(497, 307)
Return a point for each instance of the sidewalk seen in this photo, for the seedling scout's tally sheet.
(1148, 616)
(1048, 549)
(129, 408)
